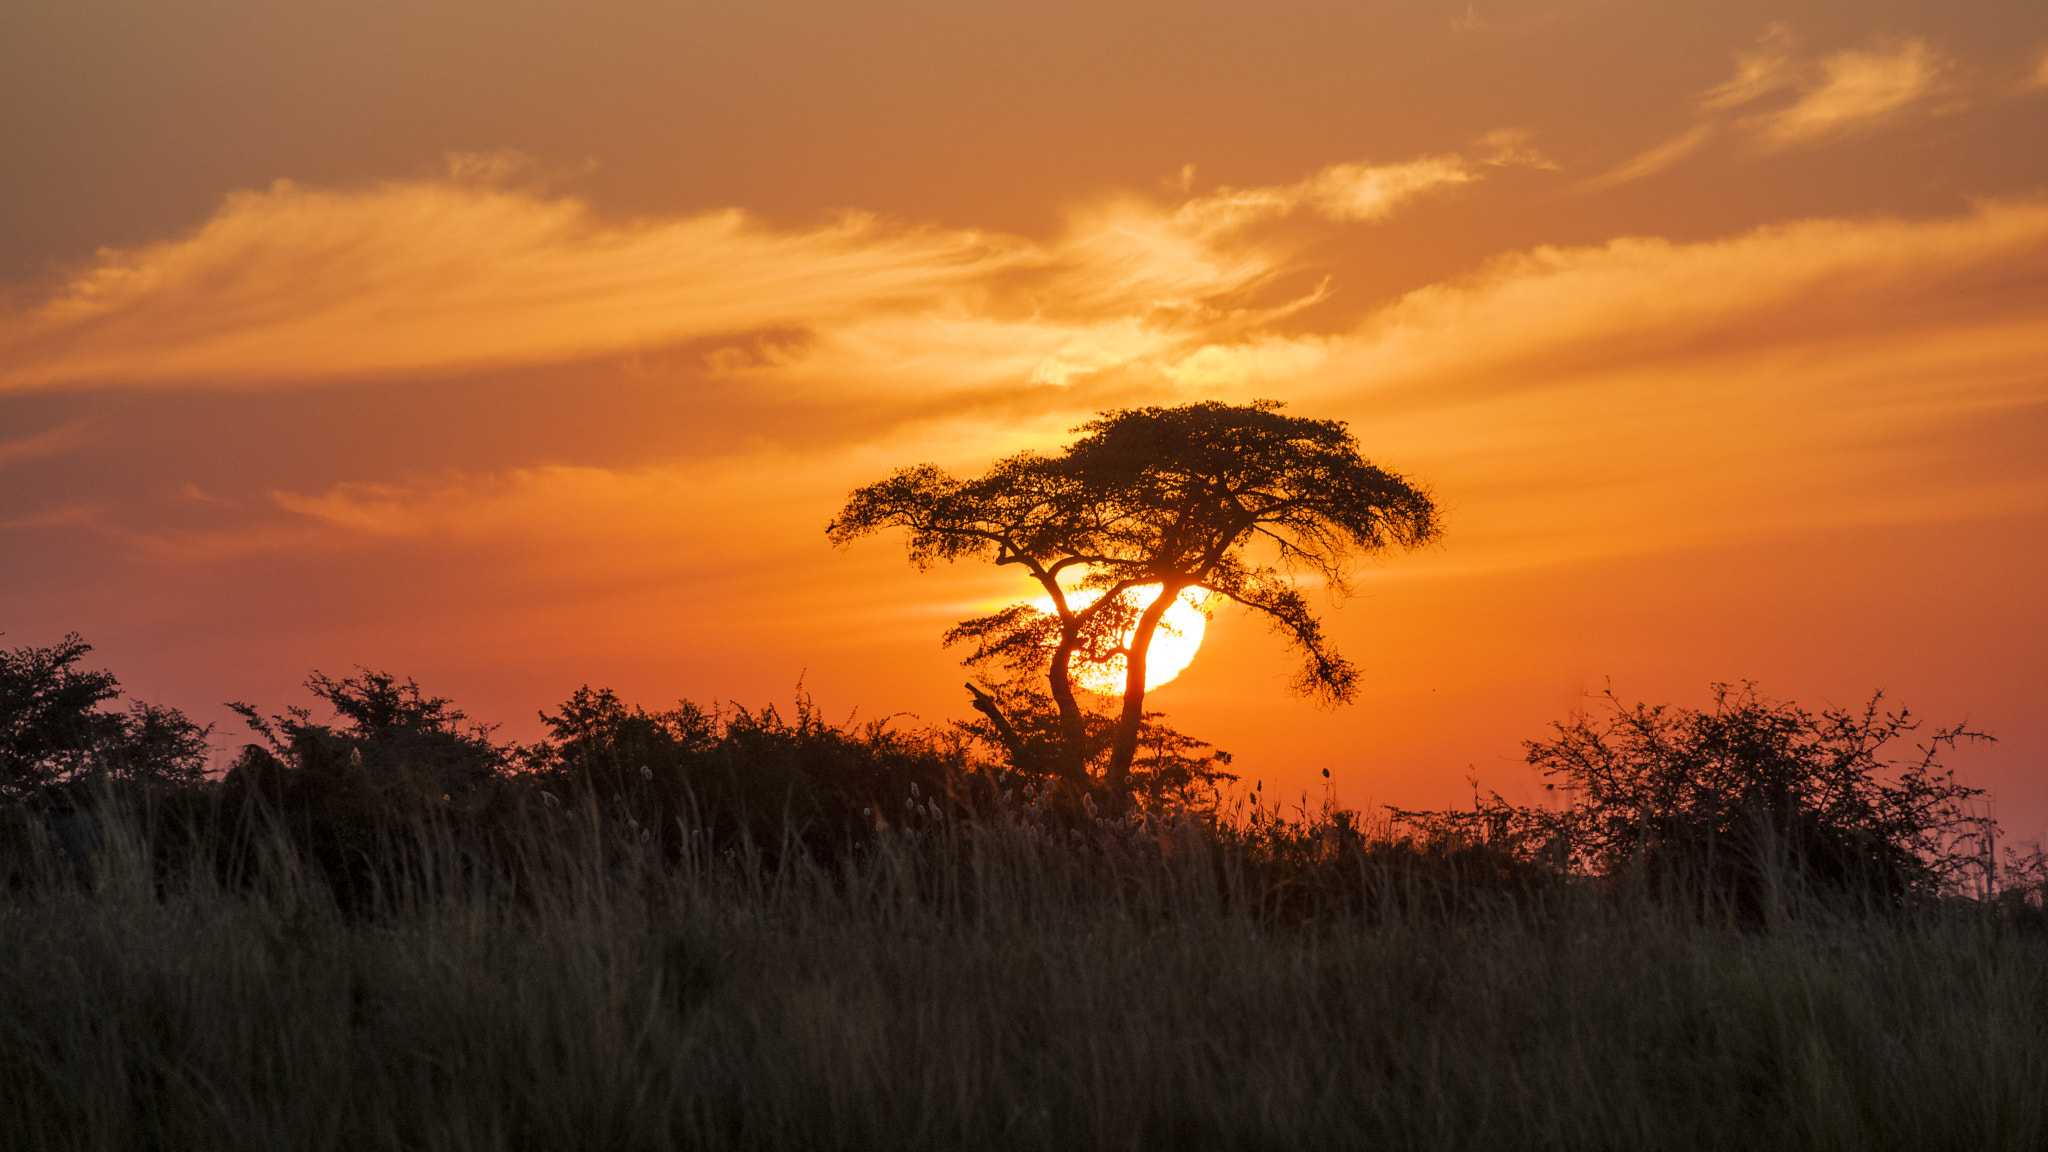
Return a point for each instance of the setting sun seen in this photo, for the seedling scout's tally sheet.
(1174, 643)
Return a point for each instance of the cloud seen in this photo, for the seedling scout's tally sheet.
(1341, 192)
(1364, 192)
(1506, 18)
(561, 502)
(1509, 147)
(1809, 280)
(1856, 91)
(58, 440)
(67, 515)
(1635, 396)
(1655, 160)
(1772, 65)
(487, 167)
(295, 284)
(1832, 96)
(291, 284)
(1644, 395)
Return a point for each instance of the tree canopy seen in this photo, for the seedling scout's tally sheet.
(53, 730)
(1235, 501)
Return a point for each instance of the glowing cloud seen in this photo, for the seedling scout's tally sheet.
(1772, 65)
(1637, 395)
(1838, 95)
(1857, 90)
(292, 284)
(1363, 192)
(1644, 394)
(63, 438)
(1655, 160)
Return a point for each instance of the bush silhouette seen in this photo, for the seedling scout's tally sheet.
(1733, 799)
(355, 792)
(54, 732)
(737, 774)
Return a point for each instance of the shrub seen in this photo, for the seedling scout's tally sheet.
(1733, 797)
(736, 773)
(54, 732)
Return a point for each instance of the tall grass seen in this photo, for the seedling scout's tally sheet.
(968, 986)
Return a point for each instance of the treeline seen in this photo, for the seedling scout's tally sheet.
(381, 927)
(1726, 808)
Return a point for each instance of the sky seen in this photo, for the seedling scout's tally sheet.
(519, 346)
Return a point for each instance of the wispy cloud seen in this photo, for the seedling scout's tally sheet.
(1509, 147)
(1635, 396)
(1832, 96)
(1855, 91)
(1644, 296)
(1344, 192)
(1630, 395)
(1655, 160)
(1643, 394)
(293, 284)
(58, 440)
(1506, 18)
(1773, 64)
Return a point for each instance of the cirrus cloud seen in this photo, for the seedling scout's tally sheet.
(1639, 395)
(1838, 95)
(292, 284)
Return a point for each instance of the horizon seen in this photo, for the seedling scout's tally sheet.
(521, 352)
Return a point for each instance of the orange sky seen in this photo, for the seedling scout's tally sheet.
(517, 346)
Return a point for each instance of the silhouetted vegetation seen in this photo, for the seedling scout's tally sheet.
(55, 732)
(1719, 804)
(1170, 771)
(740, 776)
(1174, 498)
(722, 927)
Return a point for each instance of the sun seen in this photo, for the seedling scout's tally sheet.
(1174, 642)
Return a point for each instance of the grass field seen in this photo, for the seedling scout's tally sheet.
(991, 987)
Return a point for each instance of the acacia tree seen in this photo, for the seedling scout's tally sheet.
(1230, 500)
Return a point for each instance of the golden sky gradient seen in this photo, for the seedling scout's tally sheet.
(520, 346)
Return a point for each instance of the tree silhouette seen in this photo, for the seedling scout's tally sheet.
(1719, 800)
(1179, 498)
(53, 730)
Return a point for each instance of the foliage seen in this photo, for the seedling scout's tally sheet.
(1728, 796)
(390, 745)
(352, 790)
(355, 791)
(1229, 500)
(53, 730)
(1172, 771)
(738, 775)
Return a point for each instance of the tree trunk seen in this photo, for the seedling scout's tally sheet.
(1073, 752)
(1125, 748)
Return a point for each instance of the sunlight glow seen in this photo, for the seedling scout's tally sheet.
(1174, 642)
